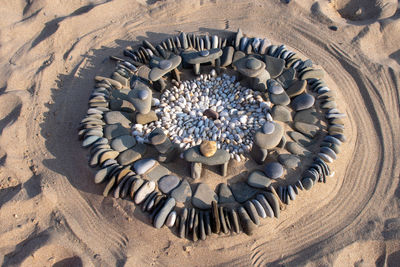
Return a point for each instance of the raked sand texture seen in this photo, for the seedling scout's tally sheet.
(51, 212)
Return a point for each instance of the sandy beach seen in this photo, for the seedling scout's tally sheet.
(51, 212)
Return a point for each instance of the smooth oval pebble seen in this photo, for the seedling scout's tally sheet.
(303, 101)
(90, 140)
(165, 64)
(325, 157)
(142, 166)
(259, 208)
(276, 89)
(144, 192)
(143, 94)
(273, 170)
(267, 207)
(291, 192)
(268, 127)
(161, 216)
(328, 151)
(170, 222)
(167, 183)
(307, 183)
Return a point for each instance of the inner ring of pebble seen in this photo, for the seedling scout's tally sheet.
(246, 100)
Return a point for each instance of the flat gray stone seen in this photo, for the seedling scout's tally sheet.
(182, 193)
(144, 165)
(300, 138)
(167, 183)
(274, 65)
(249, 66)
(133, 154)
(203, 197)
(242, 192)
(258, 179)
(123, 142)
(303, 101)
(198, 57)
(286, 78)
(273, 170)
(225, 194)
(309, 130)
(122, 105)
(289, 161)
(309, 116)
(297, 149)
(194, 155)
(157, 172)
(281, 113)
(296, 88)
(280, 99)
(124, 118)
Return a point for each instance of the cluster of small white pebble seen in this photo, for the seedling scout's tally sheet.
(241, 112)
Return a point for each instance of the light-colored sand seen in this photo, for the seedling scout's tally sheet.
(51, 211)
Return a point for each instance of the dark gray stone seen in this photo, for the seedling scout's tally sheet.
(242, 192)
(133, 154)
(289, 161)
(303, 101)
(280, 99)
(161, 216)
(281, 113)
(123, 142)
(252, 211)
(273, 170)
(182, 193)
(309, 130)
(300, 138)
(203, 197)
(157, 172)
(144, 165)
(309, 116)
(194, 155)
(167, 183)
(225, 194)
(297, 149)
(258, 179)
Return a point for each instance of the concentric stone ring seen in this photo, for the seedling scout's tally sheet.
(252, 101)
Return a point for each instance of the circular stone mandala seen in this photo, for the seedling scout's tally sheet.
(242, 99)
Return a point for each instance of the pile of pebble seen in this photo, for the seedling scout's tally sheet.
(208, 121)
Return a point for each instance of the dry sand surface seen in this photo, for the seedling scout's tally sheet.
(51, 212)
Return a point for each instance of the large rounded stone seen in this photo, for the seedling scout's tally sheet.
(273, 170)
(167, 183)
(268, 141)
(303, 101)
